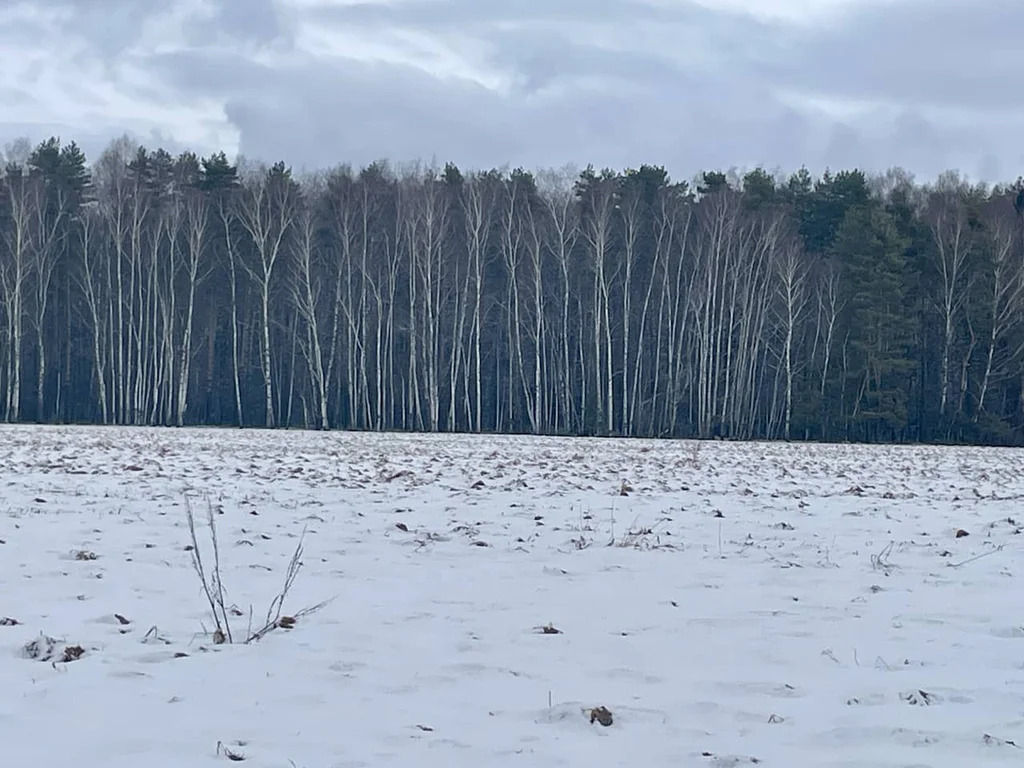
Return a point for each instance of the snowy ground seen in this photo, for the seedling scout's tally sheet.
(730, 604)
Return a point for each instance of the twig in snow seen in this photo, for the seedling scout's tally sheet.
(989, 739)
(880, 562)
(237, 757)
(977, 557)
(286, 622)
(640, 536)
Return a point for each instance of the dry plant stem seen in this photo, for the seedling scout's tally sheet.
(294, 565)
(977, 557)
(219, 583)
(213, 586)
(277, 604)
(255, 636)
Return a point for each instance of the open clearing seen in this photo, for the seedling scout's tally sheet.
(729, 604)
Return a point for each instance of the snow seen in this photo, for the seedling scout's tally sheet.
(793, 605)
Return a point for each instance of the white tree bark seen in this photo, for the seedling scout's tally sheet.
(266, 211)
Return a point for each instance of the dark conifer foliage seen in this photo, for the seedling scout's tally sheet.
(152, 289)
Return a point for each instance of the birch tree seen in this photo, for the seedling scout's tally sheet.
(15, 271)
(953, 249)
(306, 291)
(792, 298)
(267, 210)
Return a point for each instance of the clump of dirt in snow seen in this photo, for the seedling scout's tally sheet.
(46, 648)
(602, 715)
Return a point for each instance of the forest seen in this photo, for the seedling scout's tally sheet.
(156, 289)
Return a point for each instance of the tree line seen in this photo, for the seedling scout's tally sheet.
(148, 288)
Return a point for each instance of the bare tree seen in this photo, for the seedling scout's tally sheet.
(1004, 284)
(598, 201)
(50, 213)
(563, 233)
(15, 271)
(828, 309)
(954, 245)
(266, 211)
(306, 295)
(793, 298)
(427, 227)
(193, 263)
(478, 203)
(91, 280)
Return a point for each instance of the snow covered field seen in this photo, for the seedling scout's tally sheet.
(729, 604)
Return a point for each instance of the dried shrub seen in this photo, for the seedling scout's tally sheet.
(213, 587)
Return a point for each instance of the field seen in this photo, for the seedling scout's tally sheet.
(728, 604)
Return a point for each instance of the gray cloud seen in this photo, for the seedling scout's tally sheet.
(445, 13)
(255, 20)
(918, 53)
(923, 84)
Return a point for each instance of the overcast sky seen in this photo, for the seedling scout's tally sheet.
(691, 84)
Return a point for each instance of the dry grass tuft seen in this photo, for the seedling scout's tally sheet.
(213, 586)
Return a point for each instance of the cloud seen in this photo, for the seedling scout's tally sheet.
(691, 84)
